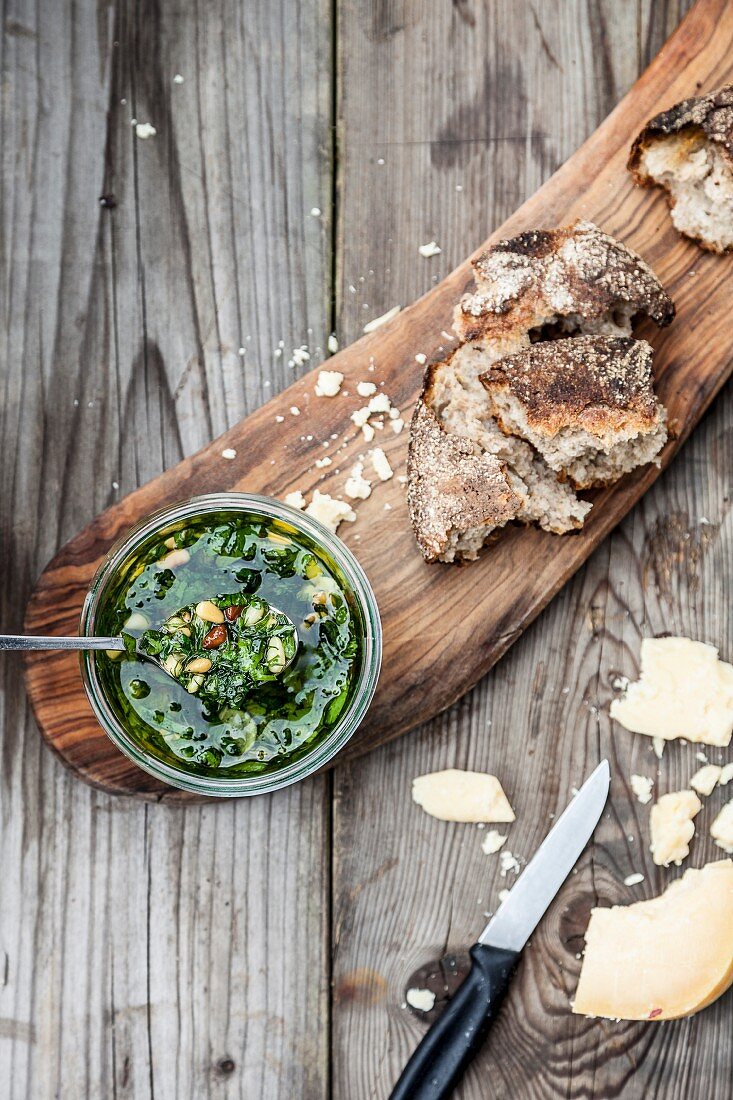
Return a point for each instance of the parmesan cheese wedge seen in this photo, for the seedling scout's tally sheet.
(455, 795)
(672, 828)
(684, 691)
(664, 958)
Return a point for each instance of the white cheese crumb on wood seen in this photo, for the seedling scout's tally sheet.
(658, 744)
(229, 453)
(455, 795)
(508, 864)
(421, 358)
(294, 410)
(377, 322)
(430, 249)
(492, 842)
(330, 511)
(721, 829)
(503, 895)
(279, 419)
(726, 774)
(397, 425)
(641, 785)
(366, 389)
(295, 499)
(381, 465)
(706, 779)
(321, 462)
(422, 999)
(380, 403)
(672, 827)
(332, 343)
(357, 487)
(328, 383)
(633, 880)
(368, 432)
(145, 130)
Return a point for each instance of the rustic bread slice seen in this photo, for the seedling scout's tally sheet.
(456, 495)
(688, 150)
(560, 281)
(586, 404)
(456, 395)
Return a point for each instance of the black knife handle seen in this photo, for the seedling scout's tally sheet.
(450, 1044)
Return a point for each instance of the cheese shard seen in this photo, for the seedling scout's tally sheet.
(664, 958)
(672, 828)
(455, 795)
(684, 691)
(721, 829)
(705, 779)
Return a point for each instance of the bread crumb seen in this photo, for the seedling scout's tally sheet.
(492, 842)
(229, 453)
(145, 130)
(295, 499)
(366, 389)
(371, 326)
(381, 465)
(429, 249)
(641, 785)
(328, 383)
(422, 999)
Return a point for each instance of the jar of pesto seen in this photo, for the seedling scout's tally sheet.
(226, 731)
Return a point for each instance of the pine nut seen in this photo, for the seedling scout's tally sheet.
(170, 543)
(136, 621)
(194, 684)
(173, 663)
(209, 612)
(199, 664)
(276, 656)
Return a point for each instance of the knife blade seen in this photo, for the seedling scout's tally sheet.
(448, 1046)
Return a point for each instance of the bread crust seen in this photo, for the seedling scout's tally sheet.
(451, 488)
(710, 115)
(577, 271)
(599, 384)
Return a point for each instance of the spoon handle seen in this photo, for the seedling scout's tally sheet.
(29, 641)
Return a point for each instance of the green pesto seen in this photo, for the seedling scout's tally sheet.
(242, 717)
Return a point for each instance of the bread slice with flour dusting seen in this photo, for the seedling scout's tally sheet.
(456, 495)
(688, 150)
(587, 405)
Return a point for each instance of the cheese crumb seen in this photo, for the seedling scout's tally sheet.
(684, 691)
(295, 499)
(321, 462)
(721, 829)
(381, 465)
(705, 779)
(360, 416)
(299, 357)
(421, 358)
(328, 383)
(294, 410)
(672, 828)
(368, 432)
(178, 79)
(658, 744)
(455, 795)
(422, 999)
(357, 487)
(371, 326)
(380, 404)
(641, 786)
(332, 343)
(366, 389)
(726, 774)
(145, 130)
(330, 511)
(229, 453)
(633, 880)
(492, 842)
(503, 895)
(397, 425)
(429, 249)
(508, 864)
(279, 419)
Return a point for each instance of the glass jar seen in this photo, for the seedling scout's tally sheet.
(370, 639)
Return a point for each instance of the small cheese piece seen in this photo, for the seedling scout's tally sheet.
(295, 499)
(381, 465)
(492, 842)
(366, 389)
(672, 828)
(684, 691)
(726, 774)
(455, 795)
(705, 779)
(641, 785)
(721, 829)
(664, 958)
(634, 880)
(356, 486)
(328, 383)
(422, 999)
(330, 511)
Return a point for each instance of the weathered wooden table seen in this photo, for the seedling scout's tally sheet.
(303, 151)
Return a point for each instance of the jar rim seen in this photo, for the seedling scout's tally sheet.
(347, 722)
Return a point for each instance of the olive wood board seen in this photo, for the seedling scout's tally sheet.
(444, 625)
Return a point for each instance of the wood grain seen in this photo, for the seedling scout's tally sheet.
(474, 614)
(408, 888)
(146, 952)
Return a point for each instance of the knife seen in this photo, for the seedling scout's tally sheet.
(450, 1044)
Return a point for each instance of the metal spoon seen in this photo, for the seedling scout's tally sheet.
(28, 642)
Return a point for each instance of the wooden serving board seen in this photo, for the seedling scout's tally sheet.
(444, 626)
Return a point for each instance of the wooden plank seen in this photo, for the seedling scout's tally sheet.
(148, 951)
(408, 888)
(485, 605)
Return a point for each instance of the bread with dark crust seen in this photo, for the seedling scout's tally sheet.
(455, 495)
(587, 405)
(688, 151)
(578, 274)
